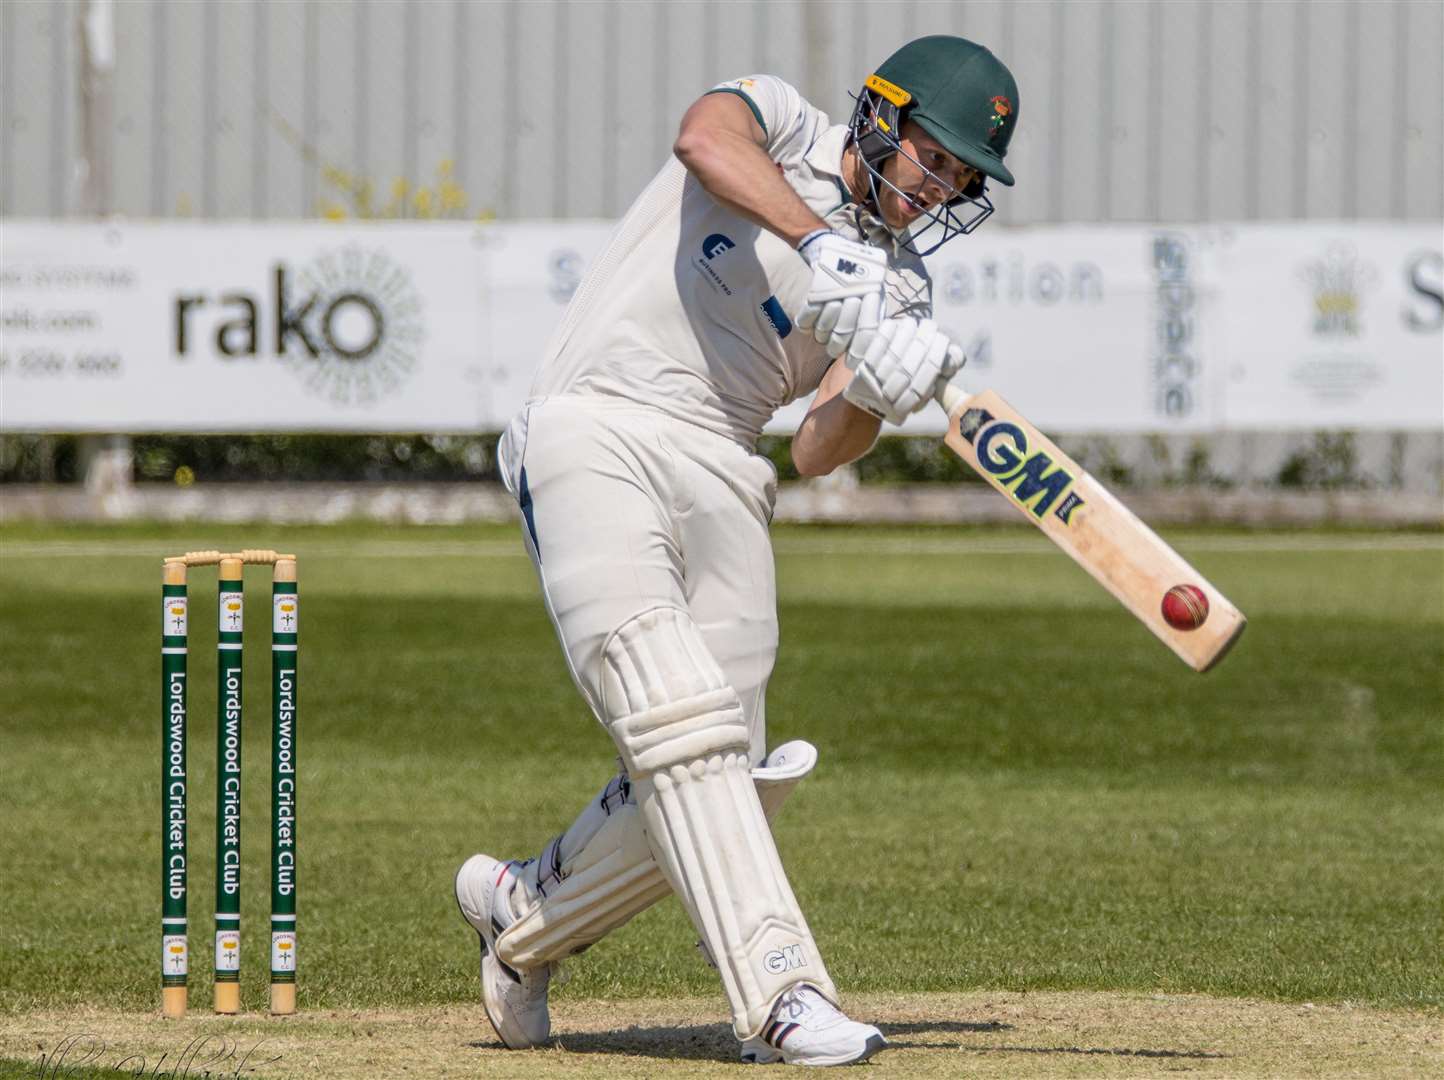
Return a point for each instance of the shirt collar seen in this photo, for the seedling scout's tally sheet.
(825, 157)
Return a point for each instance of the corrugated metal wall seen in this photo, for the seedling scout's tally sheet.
(1131, 110)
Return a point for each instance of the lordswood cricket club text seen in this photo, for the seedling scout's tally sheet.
(175, 953)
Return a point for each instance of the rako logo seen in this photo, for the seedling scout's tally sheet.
(350, 324)
(1002, 450)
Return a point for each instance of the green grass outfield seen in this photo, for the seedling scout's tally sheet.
(1019, 788)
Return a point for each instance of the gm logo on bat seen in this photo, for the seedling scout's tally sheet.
(1002, 450)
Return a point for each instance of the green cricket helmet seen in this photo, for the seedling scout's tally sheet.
(961, 95)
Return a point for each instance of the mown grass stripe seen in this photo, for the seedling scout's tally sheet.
(789, 545)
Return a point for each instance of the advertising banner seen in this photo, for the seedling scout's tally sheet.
(1330, 325)
(1060, 322)
(532, 272)
(1081, 328)
(181, 327)
(436, 327)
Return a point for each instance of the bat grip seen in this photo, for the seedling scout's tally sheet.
(951, 394)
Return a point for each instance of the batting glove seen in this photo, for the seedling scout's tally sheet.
(845, 298)
(899, 369)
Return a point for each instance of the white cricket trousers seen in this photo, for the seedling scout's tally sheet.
(626, 509)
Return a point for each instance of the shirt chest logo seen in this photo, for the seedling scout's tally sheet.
(714, 247)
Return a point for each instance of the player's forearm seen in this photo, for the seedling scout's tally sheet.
(833, 433)
(738, 173)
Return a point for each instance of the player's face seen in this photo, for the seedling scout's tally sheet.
(924, 173)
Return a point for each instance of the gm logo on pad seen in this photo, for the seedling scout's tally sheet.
(788, 958)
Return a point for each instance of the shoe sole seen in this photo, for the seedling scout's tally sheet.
(874, 1044)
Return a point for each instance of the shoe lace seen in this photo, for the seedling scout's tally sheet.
(804, 1001)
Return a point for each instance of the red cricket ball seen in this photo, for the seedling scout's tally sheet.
(1185, 607)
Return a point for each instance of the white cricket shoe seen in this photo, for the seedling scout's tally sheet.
(515, 1001)
(806, 1029)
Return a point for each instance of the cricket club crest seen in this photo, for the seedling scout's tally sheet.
(1337, 281)
(1002, 109)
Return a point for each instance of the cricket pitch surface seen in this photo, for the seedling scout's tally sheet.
(981, 1034)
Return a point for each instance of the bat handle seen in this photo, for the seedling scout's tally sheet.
(951, 394)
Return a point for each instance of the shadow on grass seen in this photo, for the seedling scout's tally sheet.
(698, 1042)
(1095, 1051)
(912, 1027)
(715, 1042)
(708, 1042)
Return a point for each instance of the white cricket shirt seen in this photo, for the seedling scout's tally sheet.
(690, 307)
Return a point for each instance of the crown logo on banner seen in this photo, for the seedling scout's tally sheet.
(1338, 281)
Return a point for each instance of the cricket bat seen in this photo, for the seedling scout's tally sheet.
(1084, 518)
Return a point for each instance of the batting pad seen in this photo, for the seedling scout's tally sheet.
(600, 872)
(588, 881)
(682, 736)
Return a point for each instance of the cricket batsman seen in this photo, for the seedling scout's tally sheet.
(775, 254)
